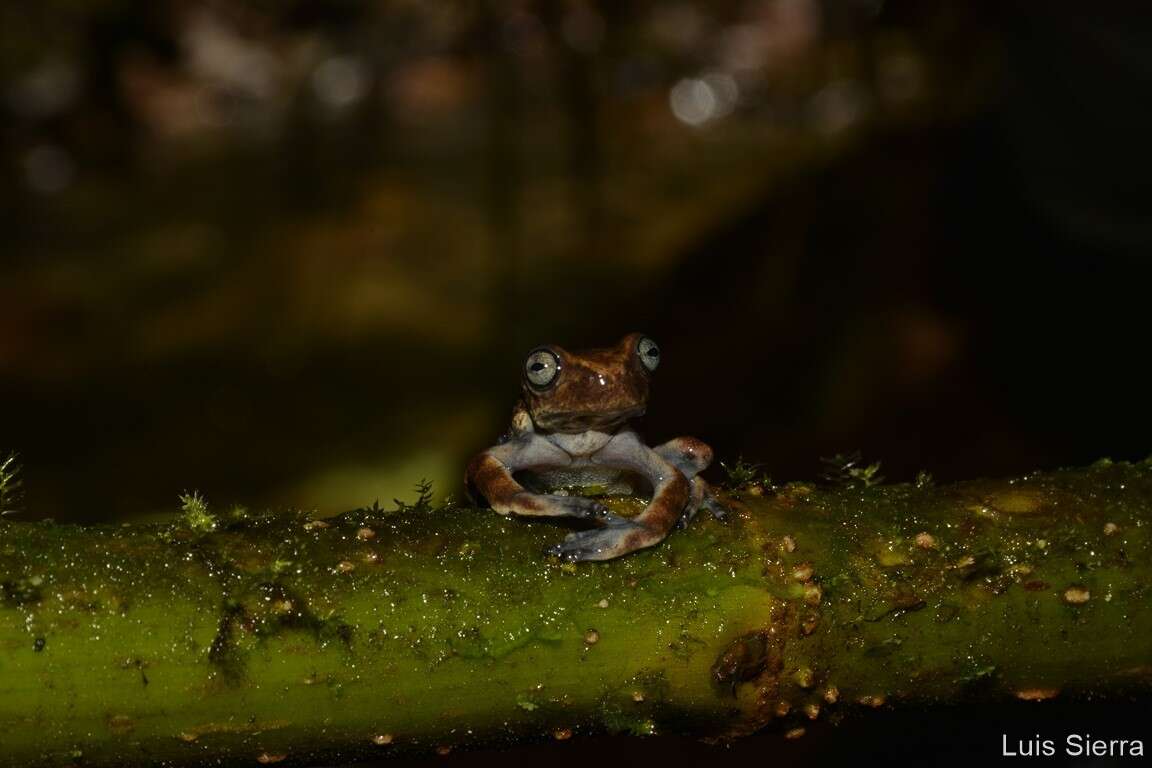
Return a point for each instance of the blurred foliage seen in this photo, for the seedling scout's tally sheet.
(270, 227)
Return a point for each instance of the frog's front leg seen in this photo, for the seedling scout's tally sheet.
(691, 457)
(619, 536)
(490, 474)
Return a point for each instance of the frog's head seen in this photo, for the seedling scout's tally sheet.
(598, 389)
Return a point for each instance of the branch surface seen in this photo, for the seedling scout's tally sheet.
(281, 638)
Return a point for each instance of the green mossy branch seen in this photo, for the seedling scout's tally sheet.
(271, 638)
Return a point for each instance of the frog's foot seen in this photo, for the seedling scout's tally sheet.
(711, 501)
(703, 497)
(617, 536)
(552, 505)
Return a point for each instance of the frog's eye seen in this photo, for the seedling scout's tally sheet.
(541, 368)
(649, 353)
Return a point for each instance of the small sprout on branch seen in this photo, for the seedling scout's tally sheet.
(11, 485)
(196, 514)
(745, 476)
(851, 470)
(238, 514)
(423, 499)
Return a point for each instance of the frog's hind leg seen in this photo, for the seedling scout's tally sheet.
(489, 476)
(618, 536)
(691, 457)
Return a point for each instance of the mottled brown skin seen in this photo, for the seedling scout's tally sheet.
(574, 430)
(598, 389)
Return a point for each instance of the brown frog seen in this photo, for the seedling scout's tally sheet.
(571, 428)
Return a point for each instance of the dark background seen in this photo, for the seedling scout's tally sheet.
(292, 253)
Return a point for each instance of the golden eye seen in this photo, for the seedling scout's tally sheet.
(649, 353)
(541, 368)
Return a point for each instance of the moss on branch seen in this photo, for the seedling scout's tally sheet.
(279, 637)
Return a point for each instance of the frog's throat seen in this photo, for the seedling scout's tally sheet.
(575, 422)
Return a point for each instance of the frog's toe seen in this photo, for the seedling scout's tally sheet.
(599, 544)
(686, 516)
(714, 505)
(579, 506)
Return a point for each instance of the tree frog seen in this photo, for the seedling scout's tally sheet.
(571, 427)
